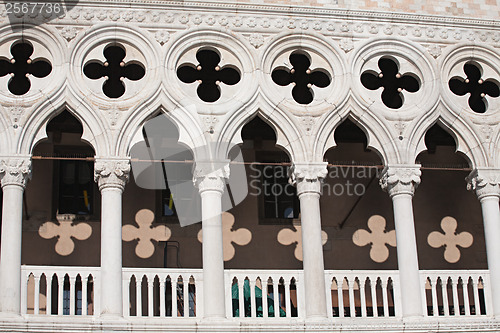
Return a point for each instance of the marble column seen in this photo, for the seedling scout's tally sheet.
(400, 181)
(211, 184)
(486, 183)
(111, 175)
(309, 178)
(14, 173)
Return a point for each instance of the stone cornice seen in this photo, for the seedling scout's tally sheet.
(300, 11)
(485, 182)
(400, 179)
(204, 10)
(111, 172)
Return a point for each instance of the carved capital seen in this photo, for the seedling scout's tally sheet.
(111, 173)
(485, 182)
(15, 171)
(211, 175)
(400, 179)
(308, 177)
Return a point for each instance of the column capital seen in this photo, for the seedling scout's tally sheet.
(485, 182)
(308, 177)
(15, 170)
(211, 175)
(400, 179)
(111, 172)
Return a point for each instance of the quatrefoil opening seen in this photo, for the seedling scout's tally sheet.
(114, 70)
(474, 85)
(208, 74)
(21, 66)
(301, 77)
(392, 82)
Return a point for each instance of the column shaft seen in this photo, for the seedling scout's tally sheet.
(10, 259)
(111, 175)
(486, 183)
(213, 256)
(401, 181)
(14, 173)
(314, 270)
(491, 221)
(308, 178)
(409, 276)
(111, 251)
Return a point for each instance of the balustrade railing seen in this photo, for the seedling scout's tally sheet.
(264, 293)
(158, 292)
(363, 293)
(178, 293)
(456, 293)
(57, 290)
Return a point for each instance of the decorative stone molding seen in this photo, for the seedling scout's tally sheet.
(15, 171)
(400, 179)
(485, 182)
(211, 176)
(308, 177)
(111, 173)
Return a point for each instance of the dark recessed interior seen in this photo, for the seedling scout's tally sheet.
(257, 128)
(115, 70)
(475, 86)
(209, 73)
(349, 132)
(390, 81)
(21, 67)
(437, 136)
(301, 76)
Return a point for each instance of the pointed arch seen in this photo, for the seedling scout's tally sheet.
(288, 136)
(184, 119)
(467, 141)
(378, 135)
(94, 129)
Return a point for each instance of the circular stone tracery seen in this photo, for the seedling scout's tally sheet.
(20, 66)
(301, 77)
(114, 70)
(475, 86)
(392, 82)
(208, 74)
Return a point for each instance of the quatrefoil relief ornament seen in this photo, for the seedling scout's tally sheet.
(65, 231)
(378, 238)
(145, 233)
(114, 70)
(241, 236)
(288, 236)
(208, 74)
(450, 239)
(21, 66)
(474, 85)
(392, 82)
(301, 77)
